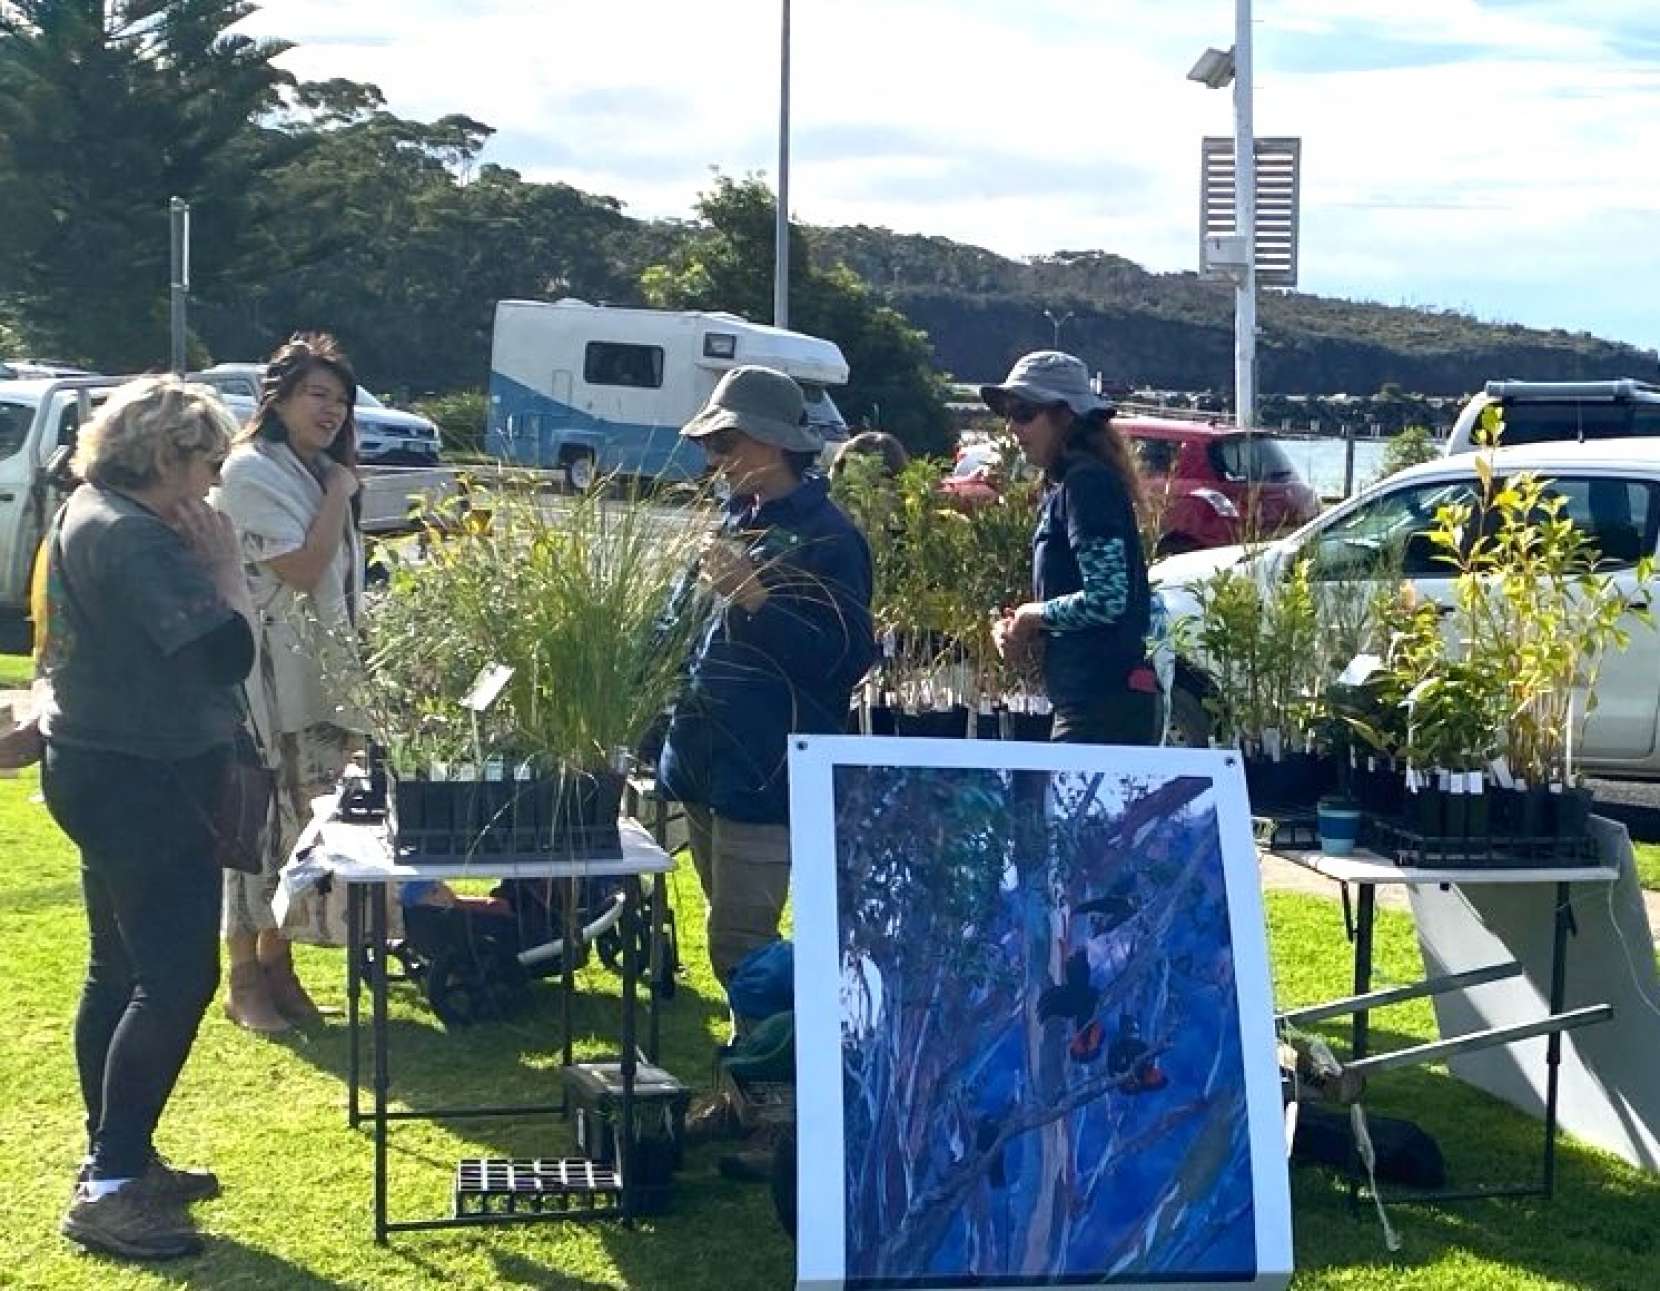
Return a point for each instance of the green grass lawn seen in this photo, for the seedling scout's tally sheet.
(16, 671)
(1648, 864)
(269, 1117)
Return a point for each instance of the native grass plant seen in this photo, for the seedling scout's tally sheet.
(1259, 641)
(592, 603)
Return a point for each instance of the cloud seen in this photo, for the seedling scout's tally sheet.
(1483, 153)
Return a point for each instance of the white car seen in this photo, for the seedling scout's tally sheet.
(1612, 491)
(385, 436)
(1536, 411)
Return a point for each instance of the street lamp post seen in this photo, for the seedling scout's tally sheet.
(1216, 69)
(1058, 323)
(781, 250)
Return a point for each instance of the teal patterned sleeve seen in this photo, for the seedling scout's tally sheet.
(1106, 589)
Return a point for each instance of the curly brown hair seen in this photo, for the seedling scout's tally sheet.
(299, 356)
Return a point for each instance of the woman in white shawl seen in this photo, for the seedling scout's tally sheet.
(288, 487)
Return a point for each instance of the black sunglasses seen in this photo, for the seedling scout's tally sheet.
(1022, 413)
(723, 442)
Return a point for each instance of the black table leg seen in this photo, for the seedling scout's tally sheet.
(1553, 1051)
(626, 1155)
(377, 990)
(354, 992)
(1364, 922)
(655, 973)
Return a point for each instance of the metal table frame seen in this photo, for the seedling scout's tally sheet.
(367, 886)
(1367, 872)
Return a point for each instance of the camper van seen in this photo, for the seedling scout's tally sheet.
(593, 390)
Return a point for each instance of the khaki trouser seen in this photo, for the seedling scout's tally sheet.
(745, 872)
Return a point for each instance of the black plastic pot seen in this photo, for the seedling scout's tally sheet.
(1573, 813)
(939, 724)
(1426, 813)
(987, 726)
(1538, 816)
(1034, 728)
(571, 814)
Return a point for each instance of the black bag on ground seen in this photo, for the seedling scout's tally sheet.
(1406, 1155)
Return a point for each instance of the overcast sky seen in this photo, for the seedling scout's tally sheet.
(1496, 156)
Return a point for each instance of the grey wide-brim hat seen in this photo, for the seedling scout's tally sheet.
(1044, 378)
(762, 403)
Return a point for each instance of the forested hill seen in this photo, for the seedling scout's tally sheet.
(1175, 331)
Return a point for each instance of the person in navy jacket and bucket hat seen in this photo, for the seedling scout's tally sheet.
(1089, 612)
(792, 640)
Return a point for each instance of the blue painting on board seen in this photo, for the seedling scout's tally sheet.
(1042, 1072)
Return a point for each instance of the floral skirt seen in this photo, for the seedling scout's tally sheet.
(311, 762)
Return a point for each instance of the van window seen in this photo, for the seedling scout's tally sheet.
(14, 425)
(240, 386)
(1242, 459)
(608, 363)
(1539, 423)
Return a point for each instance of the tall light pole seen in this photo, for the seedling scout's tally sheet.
(1216, 68)
(178, 211)
(1058, 323)
(1245, 205)
(781, 250)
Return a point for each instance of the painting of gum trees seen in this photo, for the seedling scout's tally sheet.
(1042, 1071)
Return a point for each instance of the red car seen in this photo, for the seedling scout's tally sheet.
(1216, 485)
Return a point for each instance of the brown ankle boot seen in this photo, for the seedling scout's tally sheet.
(248, 1002)
(289, 996)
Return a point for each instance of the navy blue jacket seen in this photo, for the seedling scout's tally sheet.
(788, 668)
(1086, 502)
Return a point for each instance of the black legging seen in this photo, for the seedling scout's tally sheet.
(152, 893)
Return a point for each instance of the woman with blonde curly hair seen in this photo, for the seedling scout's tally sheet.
(288, 488)
(150, 638)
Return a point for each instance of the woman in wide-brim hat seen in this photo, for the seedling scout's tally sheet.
(1090, 599)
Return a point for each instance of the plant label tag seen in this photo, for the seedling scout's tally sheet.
(1360, 670)
(492, 679)
(1500, 767)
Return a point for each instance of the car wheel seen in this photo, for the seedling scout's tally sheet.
(1174, 544)
(579, 472)
(1189, 724)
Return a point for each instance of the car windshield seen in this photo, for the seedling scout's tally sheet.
(1251, 459)
(821, 409)
(15, 418)
(1537, 423)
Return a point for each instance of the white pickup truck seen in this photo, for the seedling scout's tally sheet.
(39, 419)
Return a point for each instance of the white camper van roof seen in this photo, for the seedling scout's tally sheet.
(806, 358)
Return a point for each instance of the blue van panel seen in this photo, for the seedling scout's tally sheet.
(527, 428)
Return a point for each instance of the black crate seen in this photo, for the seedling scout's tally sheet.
(594, 1094)
(555, 1187)
(1486, 851)
(1287, 832)
(442, 821)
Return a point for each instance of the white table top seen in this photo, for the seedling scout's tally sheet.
(360, 853)
(1362, 866)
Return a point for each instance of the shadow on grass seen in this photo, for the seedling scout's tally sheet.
(226, 1262)
(1601, 1232)
(510, 1062)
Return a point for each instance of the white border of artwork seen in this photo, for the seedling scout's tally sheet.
(821, 1238)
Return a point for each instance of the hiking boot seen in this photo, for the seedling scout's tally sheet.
(248, 1001)
(288, 995)
(179, 1183)
(134, 1222)
(162, 1177)
(711, 1117)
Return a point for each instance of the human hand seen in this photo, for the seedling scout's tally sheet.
(339, 481)
(1025, 625)
(729, 573)
(209, 533)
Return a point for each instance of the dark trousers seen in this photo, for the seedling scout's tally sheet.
(1117, 717)
(152, 891)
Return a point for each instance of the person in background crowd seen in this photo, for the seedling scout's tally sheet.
(288, 488)
(794, 638)
(150, 638)
(1089, 608)
(873, 443)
